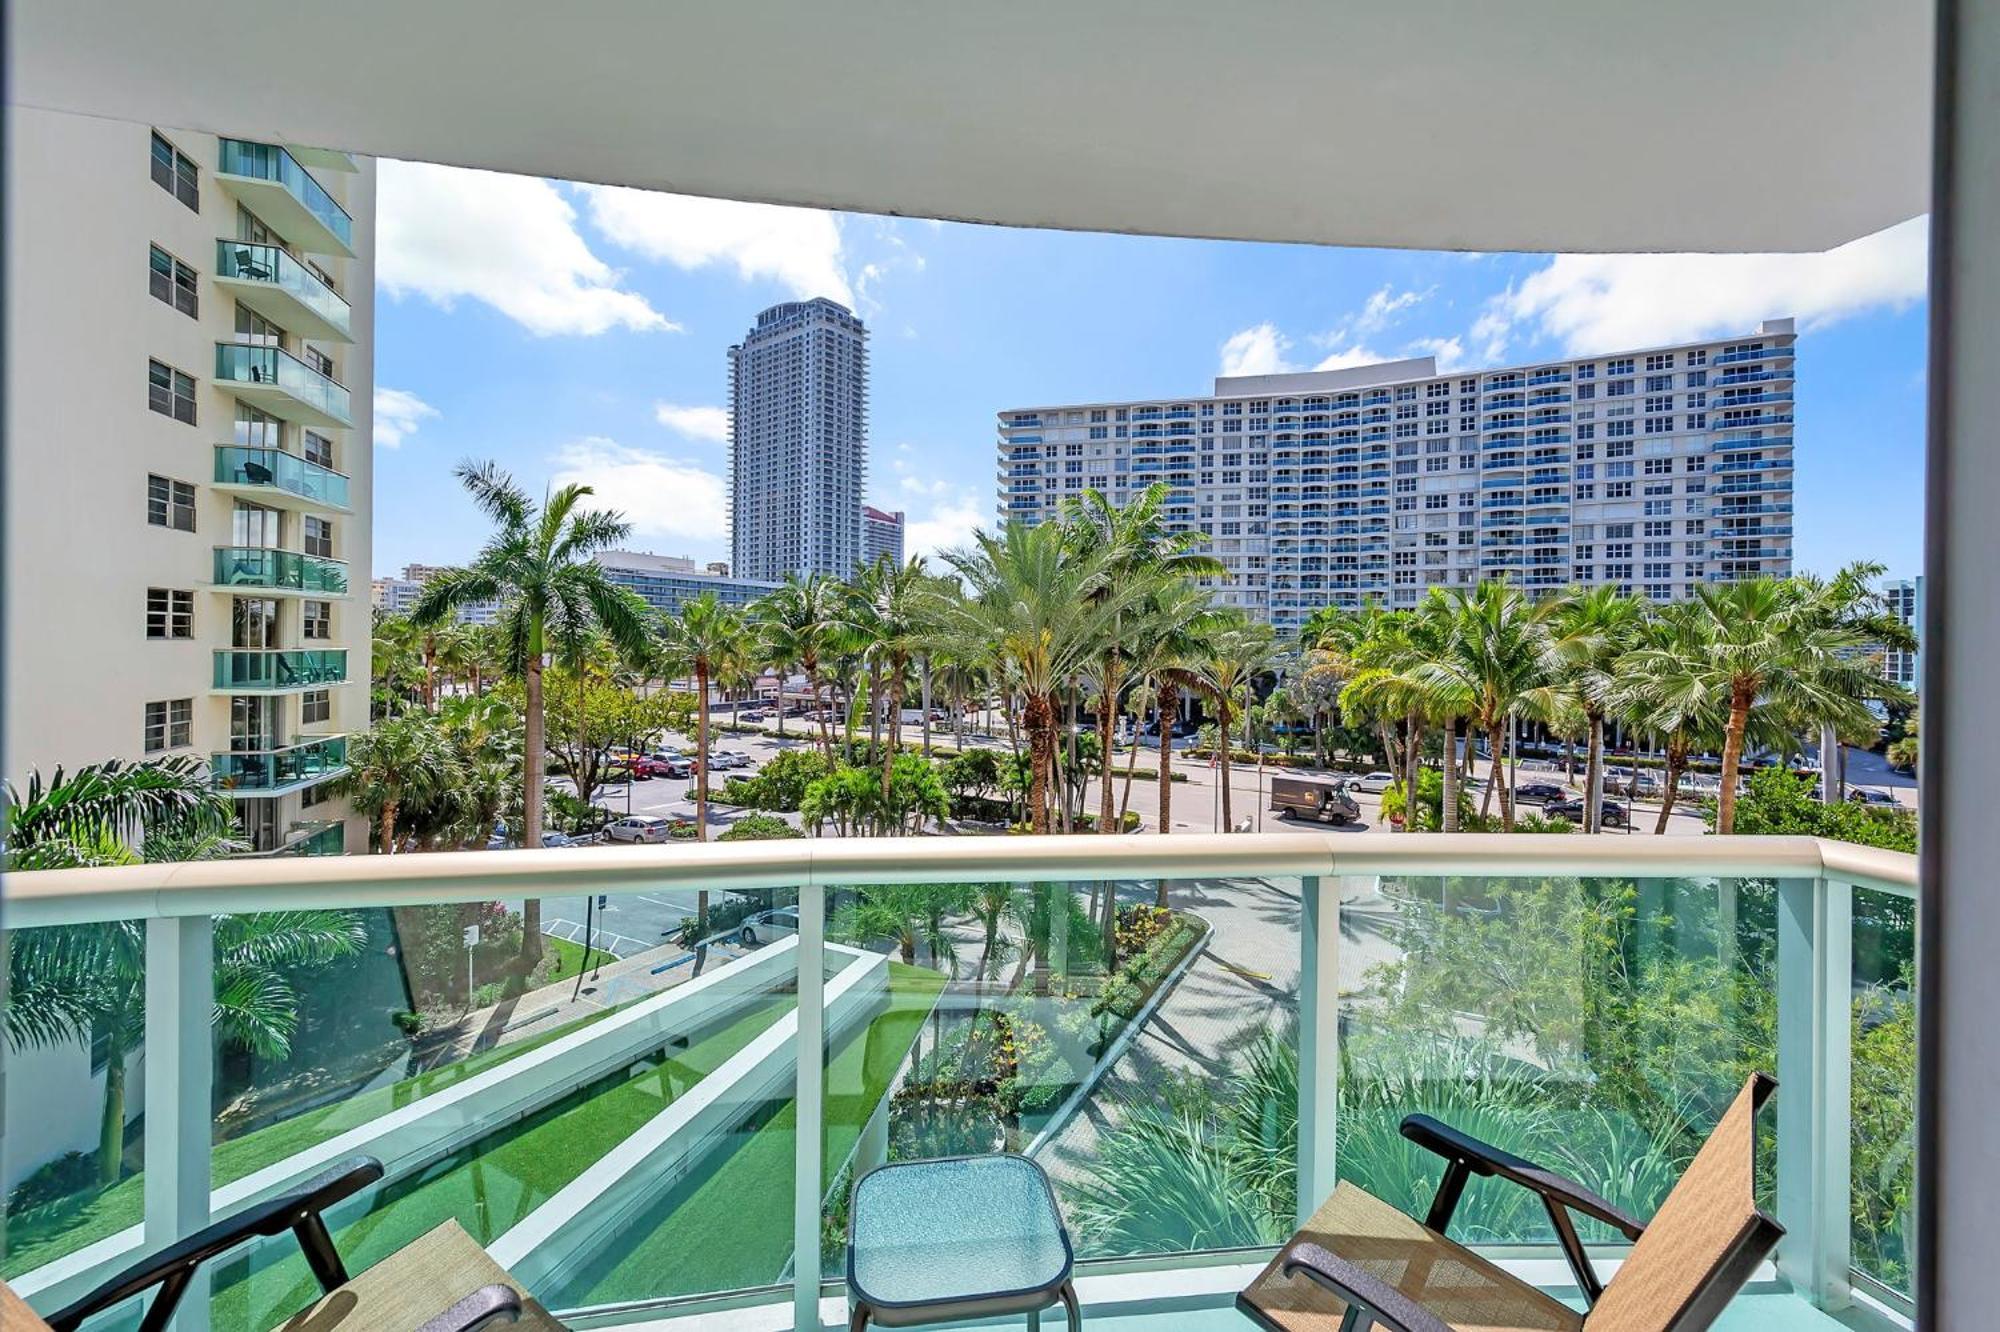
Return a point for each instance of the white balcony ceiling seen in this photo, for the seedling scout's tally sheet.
(1538, 124)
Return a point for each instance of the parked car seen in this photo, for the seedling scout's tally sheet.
(676, 767)
(554, 838)
(1611, 815)
(1374, 783)
(1862, 795)
(639, 828)
(769, 925)
(1538, 793)
(750, 716)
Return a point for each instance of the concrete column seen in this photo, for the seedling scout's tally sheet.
(1319, 1038)
(180, 1081)
(1958, 1155)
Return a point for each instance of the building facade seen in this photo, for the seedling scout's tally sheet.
(881, 535)
(798, 441)
(1904, 597)
(1656, 470)
(399, 595)
(668, 582)
(195, 394)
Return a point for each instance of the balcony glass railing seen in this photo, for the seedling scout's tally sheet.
(262, 566)
(1745, 354)
(270, 670)
(241, 465)
(1181, 1031)
(268, 161)
(263, 770)
(269, 263)
(236, 363)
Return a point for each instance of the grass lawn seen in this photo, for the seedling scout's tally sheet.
(569, 958)
(489, 1187)
(730, 1225)
(45, 1234)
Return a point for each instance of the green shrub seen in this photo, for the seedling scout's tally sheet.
(758, 828)
(1779, 804)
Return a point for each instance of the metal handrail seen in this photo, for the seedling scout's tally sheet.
(199, 888)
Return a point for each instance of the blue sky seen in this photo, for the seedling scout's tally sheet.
(575, 332)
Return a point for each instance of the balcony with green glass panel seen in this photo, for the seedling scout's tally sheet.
(267, 569)
(279, 479)
(274, 772)
(278, 670)
(285, 197)
(283, 290)
(280, 383)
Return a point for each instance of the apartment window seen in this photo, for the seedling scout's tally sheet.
(169, 725)
(1659, 466)
(1659, 384)
(1659, 425)
(169, 613)
(170, 503)
(1664, 361)
(318, 449)
(1618, 388)
(173, 282)
(175, 172)
(319, 536)
(315, 705)
(1618, 366)
(1618, 490)
(169, 392)
(317, 619)
(1697, 358)
(1665, 404)
(323, 363)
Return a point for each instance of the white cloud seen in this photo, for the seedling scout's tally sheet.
(939, 515)
(448, 233)
(659, 495)
(1354, 355)
(398, 413)
(798, 247)
(705, 423)
(1383, 307)
(1258, 350)
(1602, 302)
(1450, 352)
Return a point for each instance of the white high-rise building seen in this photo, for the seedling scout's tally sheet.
(1655, 470)
(399, 595)
(189, 330)
(798, 433)
(881, 535)
(1904, 598)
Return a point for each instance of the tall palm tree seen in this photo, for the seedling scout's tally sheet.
(899, 604)
(1046, 611)
(1497, 639)
(1143, 553)
(1663, 688)
(1852, 601)
(801, 621)
(400, 761)
(1172, 630)
(1237, 652)
(1588, 632)
(1403, 670)
(704, 640)
(538, 565)
(1786, 643)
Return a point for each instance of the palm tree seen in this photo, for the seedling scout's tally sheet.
(538, 565)
(1143, 552)
(1172, 629)
(1662, 687)
(70, 984)
(401, 761)
(908, 913)
(801, 621)
(1789, 644)
(897, 604)
(703, 641)
(1588, 633)
(1497, 642)
(1853, 602)
(1405, 669)
(1236, 653)
(1045, 610)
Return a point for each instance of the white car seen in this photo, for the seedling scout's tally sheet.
(731, 758)
(1374, 783)
(769, 925)
(639, 828)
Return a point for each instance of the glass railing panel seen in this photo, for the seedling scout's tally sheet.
(268, 161)
(251, 668)
(1883, 1089)
(261, 770)
(270, 263)
(1598, 1026)
(489, 1085)
(263, 566)
(71, 1168)
(1151, 1070)
(244, 465)
(239, 363)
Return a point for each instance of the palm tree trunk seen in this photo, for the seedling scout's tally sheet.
(924, 685)
(1222, 760)
(1413, 760)
(1495, 737)
(1831, 779)
(895, 701)
(1106, 807)
(1676, 761)
(1593, 775)
(1449, 814)
(1740, 699)
(701, 768)
(1041, 724)
(1131, 766)
(534, 767)
(387, 823)
(1168, 708)
(111, 1129)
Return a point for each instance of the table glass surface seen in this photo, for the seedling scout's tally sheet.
(937, 1231)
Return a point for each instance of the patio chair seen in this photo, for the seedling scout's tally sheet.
(440, 1282)
(1361, 1264)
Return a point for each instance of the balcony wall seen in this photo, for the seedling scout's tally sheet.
(1587, 1001)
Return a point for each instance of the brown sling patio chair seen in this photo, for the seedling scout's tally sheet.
(1361, 1264)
